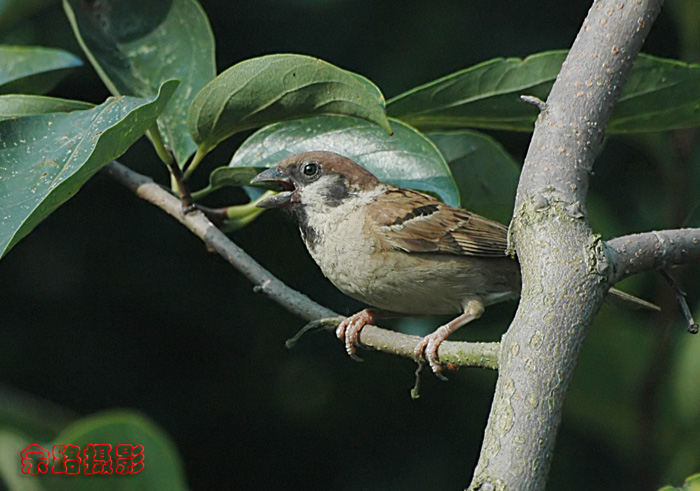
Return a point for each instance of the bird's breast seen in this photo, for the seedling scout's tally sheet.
(410, 283)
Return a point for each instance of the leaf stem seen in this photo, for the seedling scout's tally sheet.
(199, 155)
(197, 195)
(230, 218)
(163, 153)
(242, 211)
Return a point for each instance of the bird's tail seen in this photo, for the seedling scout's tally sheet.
(630, 302)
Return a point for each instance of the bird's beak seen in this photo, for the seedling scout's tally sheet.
(280, 180)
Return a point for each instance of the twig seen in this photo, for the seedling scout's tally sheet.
(197, 223)
(535, 101)
(680, 297)
(182, 187)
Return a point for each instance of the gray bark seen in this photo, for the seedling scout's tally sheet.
(566, 270)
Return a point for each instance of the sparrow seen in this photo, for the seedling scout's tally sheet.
(400, 251)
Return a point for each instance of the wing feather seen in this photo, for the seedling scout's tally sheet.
(415, 222)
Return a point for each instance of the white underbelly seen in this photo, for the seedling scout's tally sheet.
(403, 282)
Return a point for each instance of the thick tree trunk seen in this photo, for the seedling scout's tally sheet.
(566, 270)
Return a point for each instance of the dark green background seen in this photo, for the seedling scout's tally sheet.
(109, 303)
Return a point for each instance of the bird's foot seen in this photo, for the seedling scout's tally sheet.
(428, 349)
(349, 330)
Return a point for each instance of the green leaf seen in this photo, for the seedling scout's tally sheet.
(137, 45)
(487, 176)
(33, 70)
(231, 177)
(47, 158)
(29, 414)
(12, 443)
(278, 87)
(660, 94)
(227, 177)
(407, 158)
(692, 483)
(15, 105)
(162, 466)
(486, 95)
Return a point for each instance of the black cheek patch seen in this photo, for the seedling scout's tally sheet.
(336, 192)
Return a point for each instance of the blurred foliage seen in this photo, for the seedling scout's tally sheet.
(102, 311)
(690, 484)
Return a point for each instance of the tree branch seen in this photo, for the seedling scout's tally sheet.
(459, 354)
(636, 253)
(565, 271)
(197, 223)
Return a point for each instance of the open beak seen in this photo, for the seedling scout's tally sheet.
(280, 180)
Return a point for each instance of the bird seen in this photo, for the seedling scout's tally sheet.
(400, 251)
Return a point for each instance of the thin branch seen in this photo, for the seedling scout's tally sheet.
(535, 101)
(182, 187)
(636, 253)
(458, 354)
(197, 223)
(680, 298)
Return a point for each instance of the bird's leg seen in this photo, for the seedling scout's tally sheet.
(428, 347)
(349, 329)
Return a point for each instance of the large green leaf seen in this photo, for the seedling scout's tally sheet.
(15, 105)
(45, 159)
(486, 95)
(278, 87)
(136, 45)
(659, 95)
(33, 70)
(487, 176)
(406, 158)
(161, 469)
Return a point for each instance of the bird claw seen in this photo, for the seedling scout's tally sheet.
(349, 331)
(428, 349)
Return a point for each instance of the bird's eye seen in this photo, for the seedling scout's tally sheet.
(310, 169)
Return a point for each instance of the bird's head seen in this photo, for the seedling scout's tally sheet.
(320, 179)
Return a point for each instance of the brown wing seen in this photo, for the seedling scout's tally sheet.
(414, 222)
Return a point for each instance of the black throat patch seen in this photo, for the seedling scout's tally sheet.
(308, 233)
